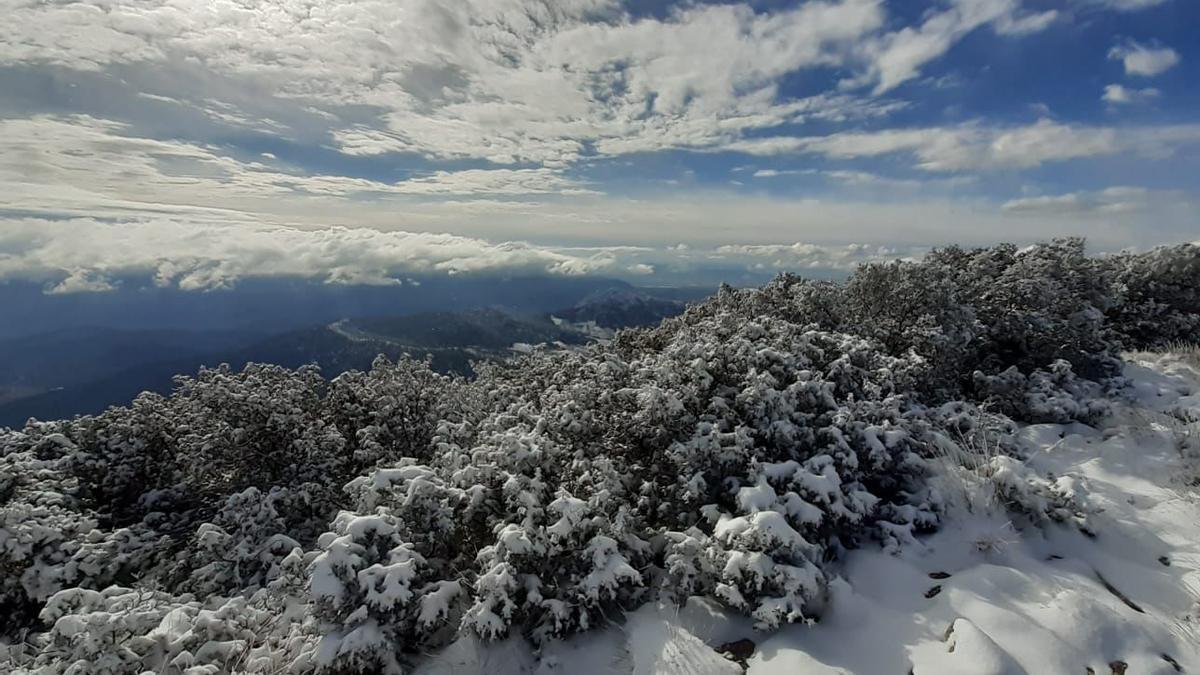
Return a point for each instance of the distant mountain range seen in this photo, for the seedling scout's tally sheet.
(268, 306)
(615, 308)
(84, 370)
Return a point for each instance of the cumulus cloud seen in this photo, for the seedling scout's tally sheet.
(1144, 60)
(1119, 95)
(196, 250)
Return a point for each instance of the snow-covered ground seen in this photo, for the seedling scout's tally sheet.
(983, 595)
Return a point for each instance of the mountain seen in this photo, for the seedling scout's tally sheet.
(70, 357)
(267, 306)
(615, 308)
(451, 340)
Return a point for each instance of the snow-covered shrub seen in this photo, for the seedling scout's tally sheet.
(270, 521)
(42, 526)
(1054, 396)
(1033, 306)
(123, 631)
(1039, 498)
(1157, 297)
(984, 469)
(261, 427)
(374, 595)
(657, 457)
(390, 411)
(242, 548)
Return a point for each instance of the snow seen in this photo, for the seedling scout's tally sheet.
(987, 594)
(659, 644)
(1033, 600)
(764, 527)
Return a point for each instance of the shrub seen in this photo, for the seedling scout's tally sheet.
(266, 519)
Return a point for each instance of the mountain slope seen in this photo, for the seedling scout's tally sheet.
(451, 340)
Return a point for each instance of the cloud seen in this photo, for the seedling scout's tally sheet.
(91, 256)
(89, 166)
(898, 57)
(772, 173)
(492, 182)
(1018, 25)
(80, 169)
(506, 81)
(1112, 200)
(802, 256)
(1143, 60)
(1118, 94)
(81, 281)
(85, 255)
(1123, 5)
(976, 147)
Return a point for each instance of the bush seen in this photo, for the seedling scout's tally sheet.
(266, 519)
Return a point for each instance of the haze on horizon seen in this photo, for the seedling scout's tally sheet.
(367, 141)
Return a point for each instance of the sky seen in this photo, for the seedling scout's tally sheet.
(364, 141)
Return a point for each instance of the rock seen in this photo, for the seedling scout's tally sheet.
(738, 650)
(933, 591)
(939, 575)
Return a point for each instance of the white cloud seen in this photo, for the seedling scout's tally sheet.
(80, 255)
(1025, 24)
(49, 162)
(1118, 94)
(801, 256)
(1144, 60)
(508, 81)
(504, 80)
(976, 147)
(772, 173)
(1123, 5)
(492, 182)
(82, 281)
(91, 172)
(198, 249)
(898, 57)
(1112, 200)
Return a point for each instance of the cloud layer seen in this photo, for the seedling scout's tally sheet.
(87, 255)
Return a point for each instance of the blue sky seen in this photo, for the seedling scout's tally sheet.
(362, 141)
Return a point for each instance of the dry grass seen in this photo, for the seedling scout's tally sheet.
(966, 460)
(1188, 352)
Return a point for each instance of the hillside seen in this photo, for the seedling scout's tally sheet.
(984, 461)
